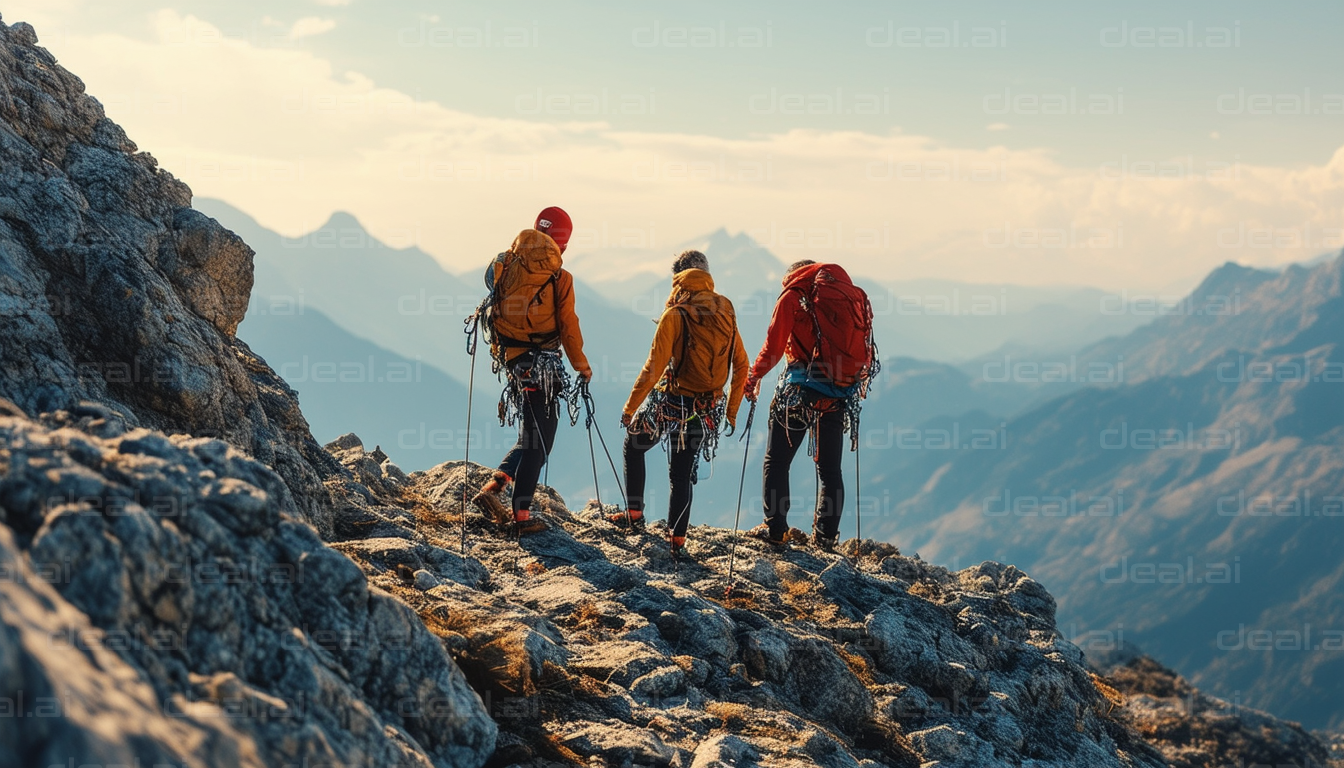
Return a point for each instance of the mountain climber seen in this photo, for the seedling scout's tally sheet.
(528, 319)
(695, 347)
(822, 326)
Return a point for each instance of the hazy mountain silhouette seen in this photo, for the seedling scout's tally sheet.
(1219, 459)
(344, 382)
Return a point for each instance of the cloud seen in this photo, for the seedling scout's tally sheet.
(309, 26)
(276, 131)
(997, 127)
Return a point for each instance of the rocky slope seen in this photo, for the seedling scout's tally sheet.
(242, 639)
(588, 643)
(189, 579)
(184, 607)
(1195, 730)
(113, 289)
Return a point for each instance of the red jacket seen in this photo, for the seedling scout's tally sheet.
(791, 333)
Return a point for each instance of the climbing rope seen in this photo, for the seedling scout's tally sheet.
(737, 517)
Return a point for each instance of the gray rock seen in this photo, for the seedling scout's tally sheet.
(590, 637)
(725, 751)
(951, 747)
(71, 699)
(116, 292)
(214, 593)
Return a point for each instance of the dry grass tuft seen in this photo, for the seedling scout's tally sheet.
(508, 665)
(441, 620)
(585, 616)
(587, 685)
(738, 599)
(1112, 696)
(553, 748)
(730, 715)
(858, 665)
(534, 568)
(926, 589)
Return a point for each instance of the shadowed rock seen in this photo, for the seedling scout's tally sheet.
(114, 291)
(1194, 730)
(239, 637)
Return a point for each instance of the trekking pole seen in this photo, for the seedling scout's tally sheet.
(741, 484)
(592, 455)
(858, 489)
(591, 406)
(473, 335)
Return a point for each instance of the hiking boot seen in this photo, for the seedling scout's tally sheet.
(632, 519)
(492, 508)
(488, 502)
(524, 523)
(678, 546)
(764, 533)
(825, 543)
(497, 482)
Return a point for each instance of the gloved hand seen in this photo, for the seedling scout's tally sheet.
(626, 419)
(752, 389)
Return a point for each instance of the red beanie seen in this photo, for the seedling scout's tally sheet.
(555, 222)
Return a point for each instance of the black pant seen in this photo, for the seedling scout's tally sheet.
(536, 437)
(785, 439)
(683, 454)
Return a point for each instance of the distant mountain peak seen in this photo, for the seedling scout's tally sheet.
(721, 239)
(1231, 277)
(342, 221)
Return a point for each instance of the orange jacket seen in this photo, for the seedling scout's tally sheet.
(528, 305)
(694, 287)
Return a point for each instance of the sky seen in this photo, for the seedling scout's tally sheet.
(1054, 143)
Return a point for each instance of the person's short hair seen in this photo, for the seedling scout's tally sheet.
(690, 260)
(799, 265)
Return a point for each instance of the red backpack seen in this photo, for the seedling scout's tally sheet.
(842, 322)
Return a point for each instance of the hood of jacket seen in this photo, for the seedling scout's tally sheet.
(687, 282)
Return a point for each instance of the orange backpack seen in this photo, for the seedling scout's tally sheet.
(709, 327)
(523, 311)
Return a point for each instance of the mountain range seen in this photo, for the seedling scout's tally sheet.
(189, 578)
(1195, 508)
(947, 444)
(342, 290)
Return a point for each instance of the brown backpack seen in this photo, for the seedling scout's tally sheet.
(709, 329)
(524, 307)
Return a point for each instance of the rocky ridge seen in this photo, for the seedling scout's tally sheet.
(173, 577)
(189, 579)
(1195, 730)
(590, 644)
(113, 289)
(167, 595)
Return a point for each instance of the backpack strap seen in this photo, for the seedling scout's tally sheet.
(685, 341)
(805, 303)
(554, 281)
(816, 320)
